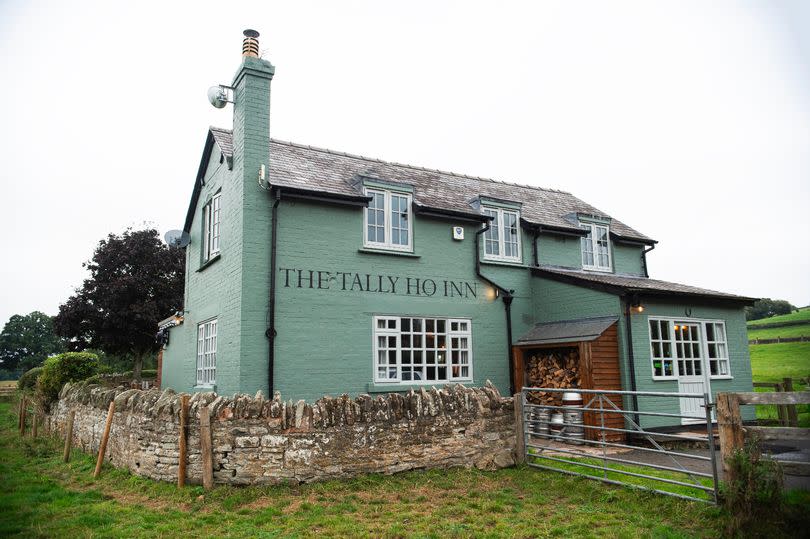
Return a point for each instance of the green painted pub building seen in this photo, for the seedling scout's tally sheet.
(314, 272)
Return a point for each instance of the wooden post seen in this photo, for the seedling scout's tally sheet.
(34, 421)
(792, 415)
(103, 447)
(206, 449)
(181, 462)
(19, 410)
(520, 441)
(781, 411)
(23, 406)
(69, 436)
(729, 424)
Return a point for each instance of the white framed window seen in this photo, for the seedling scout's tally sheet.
(207, 353)
(684, 347)
(387, 222)
(596, 247)
(502, 240)
(416, 350)
(717, 349)
(211, 226)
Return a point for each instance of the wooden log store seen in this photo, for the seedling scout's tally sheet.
(572, 354)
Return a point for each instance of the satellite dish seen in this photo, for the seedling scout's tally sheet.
(177, 238)
(217, 96)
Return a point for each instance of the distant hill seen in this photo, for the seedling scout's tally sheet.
(795, 324)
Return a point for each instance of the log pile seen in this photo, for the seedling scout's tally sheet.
(558, 368)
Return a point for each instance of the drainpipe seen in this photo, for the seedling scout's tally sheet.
(271, 329)
(507, 304)
(644, 259)
(535, 235)
(630, 359)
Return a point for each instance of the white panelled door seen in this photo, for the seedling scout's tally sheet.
(693, 376)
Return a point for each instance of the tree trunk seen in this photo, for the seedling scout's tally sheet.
(138, 367)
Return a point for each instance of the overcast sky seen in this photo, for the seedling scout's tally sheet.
(689, 121)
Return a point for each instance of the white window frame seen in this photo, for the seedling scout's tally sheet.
(393, 330)
(212, 220)
(704, 345)
(590, 239)
(387, 212)
(207, 353)
(498, 220)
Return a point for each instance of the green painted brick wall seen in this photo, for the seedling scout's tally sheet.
(739, 359)
(324, 343)
(565, 251)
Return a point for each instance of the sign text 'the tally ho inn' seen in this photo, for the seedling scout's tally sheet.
(347, 281)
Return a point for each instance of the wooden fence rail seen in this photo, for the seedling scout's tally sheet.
(779, 340)
(733, 433)
(787, 413)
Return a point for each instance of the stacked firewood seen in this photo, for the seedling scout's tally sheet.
(557, 369)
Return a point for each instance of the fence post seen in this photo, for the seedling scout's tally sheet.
(103, 447)
(729, 424)
(181, 464)
(792, 415)
(520, 442)
(206, 449)
(69, 436)
(780, 408)
(34, 421)
(23, 410)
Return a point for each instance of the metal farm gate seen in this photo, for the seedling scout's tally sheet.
(582, 438)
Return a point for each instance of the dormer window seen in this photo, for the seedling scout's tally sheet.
(502, 240)
(596, 247)
(387, 220)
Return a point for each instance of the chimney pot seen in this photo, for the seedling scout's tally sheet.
(250, 45)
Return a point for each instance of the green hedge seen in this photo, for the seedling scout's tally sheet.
(61, 369)
(28, 380)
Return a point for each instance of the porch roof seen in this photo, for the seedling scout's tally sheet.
(567, 331)
(628, 284)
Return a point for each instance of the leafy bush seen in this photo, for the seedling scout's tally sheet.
(28, 380)
(58, 370)
(755, 497)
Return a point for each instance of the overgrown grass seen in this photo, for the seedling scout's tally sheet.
(801, 314)
(43, 497)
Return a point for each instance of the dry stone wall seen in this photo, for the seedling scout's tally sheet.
(257, 440)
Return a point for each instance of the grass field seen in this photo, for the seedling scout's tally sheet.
(801, 314)
(43, 497)
(772, 362)
(784, 332)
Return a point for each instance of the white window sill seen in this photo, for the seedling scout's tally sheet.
(515, 262)
(399, 387)
(210, 261)
(386, 251)
(721, 377)
(665, 379)
(600, 270)
(207, 387)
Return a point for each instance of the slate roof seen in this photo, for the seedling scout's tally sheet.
(587, 329)
(317, 169)
(625, 283)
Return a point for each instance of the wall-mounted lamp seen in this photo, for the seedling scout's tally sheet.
(635, 305)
